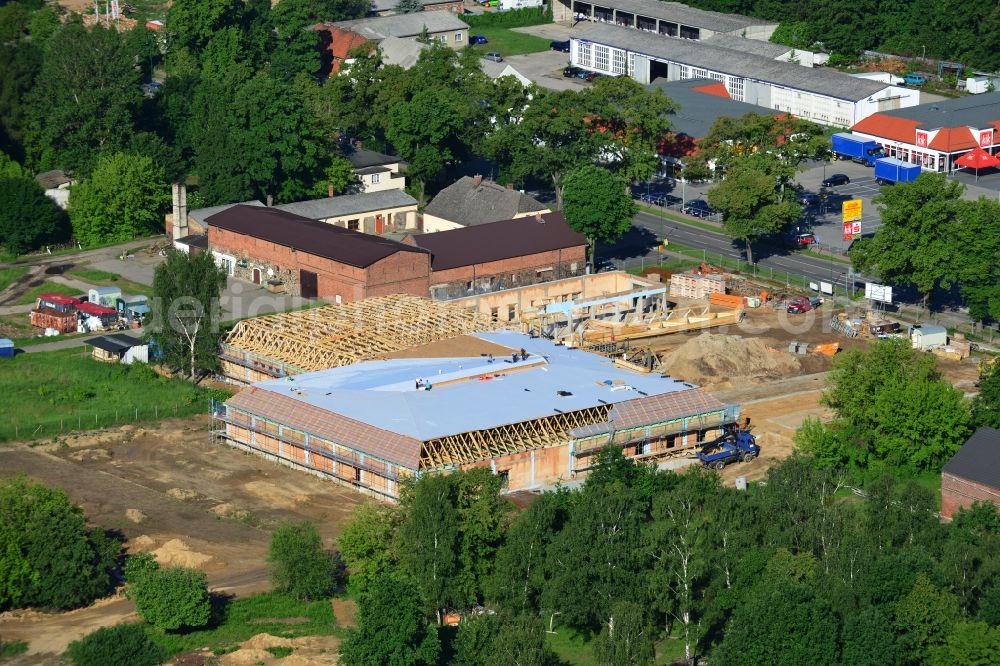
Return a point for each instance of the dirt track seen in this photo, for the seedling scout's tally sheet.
(230, 501)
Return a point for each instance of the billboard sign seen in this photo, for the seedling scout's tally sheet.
(921, 141)
(852, 229)
(851, 210)
(985, 138)
(826, 287)
(878, 292)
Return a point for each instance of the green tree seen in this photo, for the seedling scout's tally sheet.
(916, 240)
(986, 404)
(392, 628)
(752, 203)
(19, 65)
(893, 410)
(28, 218)
(870, 638)
(297, 49)
(425, 130)
(969, 644)
(596, 204)
(340, 177)
(977, 266)
(49, 558)
(626, 638)
(408, 6)
(185, 311)
(482, 522)
(192, 24)
(925, 618)
(172, 598)
(474, 641)
(520, 639)
(82, 102)
(124, 198)
(367, 544)
(300, 566)
(430, 538)
(120, 645)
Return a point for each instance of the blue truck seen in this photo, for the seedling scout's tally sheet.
(734, 445)
(890, 170)
(850, 147)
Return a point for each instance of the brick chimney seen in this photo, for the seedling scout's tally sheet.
(358, 144)
(477, 180)
(330, 192)
(180, 216)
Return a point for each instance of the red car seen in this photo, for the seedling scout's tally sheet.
(801, 304)
(805, 240)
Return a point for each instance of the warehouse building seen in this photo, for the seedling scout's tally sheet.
(821, 95)
(935, 135)
(666, 19)
(500, 255)
(535, 417)
(304, 257)
(973, 474)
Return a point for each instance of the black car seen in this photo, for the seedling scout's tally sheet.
(698, 208)
(809, 199)
(478, 39)
(571, 72)
(835, 180)
(560, 46)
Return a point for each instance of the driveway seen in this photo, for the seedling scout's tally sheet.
(545, 69)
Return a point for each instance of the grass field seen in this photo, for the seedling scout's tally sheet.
(49, 393)
(242, 619)
(32, 294)
(9, 275)
(507, 42)
(104, 279)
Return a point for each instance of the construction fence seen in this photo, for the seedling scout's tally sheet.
(14, 429)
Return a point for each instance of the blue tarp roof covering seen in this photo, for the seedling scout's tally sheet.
(384, 393)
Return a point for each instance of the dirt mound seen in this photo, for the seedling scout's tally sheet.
(143, 542)
(264, 641)
(135, 515)
(713, 358)
(182, 494)
(176, 552)
(245, 657)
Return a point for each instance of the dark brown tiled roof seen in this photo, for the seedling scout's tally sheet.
(318, 238)
(499, 240)
(328, 425)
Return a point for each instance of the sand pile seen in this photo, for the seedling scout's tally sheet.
(264, 641)
(182, 494)
(176, 552)
(714, 358)
(135, 515)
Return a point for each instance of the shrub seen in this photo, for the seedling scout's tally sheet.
(515, 18)
(300, 566)
(171, 598)
(121, 645)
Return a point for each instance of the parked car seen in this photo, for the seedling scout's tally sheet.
(809, 199)
(558, 45)
(914, 80)
(571, 72)
(836, 179)
(698, 208)
(801, 304)
(593, 75)
(478, 39)
(583, 74)
(493, 56)
(804, 239)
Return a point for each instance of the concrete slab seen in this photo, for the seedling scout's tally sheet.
(545, 69)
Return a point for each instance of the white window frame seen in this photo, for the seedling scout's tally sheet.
(458, 37)
(585, 54)
(375, 178)
(685, 71)
(602, 58)
(619, 62)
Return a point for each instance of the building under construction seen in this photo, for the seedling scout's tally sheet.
(335, 335)
(536, 416)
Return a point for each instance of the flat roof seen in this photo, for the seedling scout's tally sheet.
(705, 55)
(403, 25)
(307, 235)
(349, 204)
(676, 12)
(979, 111)
(484, 395)
(696, 110)
(202, 214)
(114, 343)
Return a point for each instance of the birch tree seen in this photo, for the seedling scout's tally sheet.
(430, 540)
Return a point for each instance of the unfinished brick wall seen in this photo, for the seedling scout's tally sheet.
(958, 493)
(399, 273)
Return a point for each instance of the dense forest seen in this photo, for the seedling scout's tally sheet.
(966, 31)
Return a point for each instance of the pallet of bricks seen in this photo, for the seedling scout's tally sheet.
(693, 285)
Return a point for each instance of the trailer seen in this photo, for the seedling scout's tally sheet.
(850, 147)
(891, 170)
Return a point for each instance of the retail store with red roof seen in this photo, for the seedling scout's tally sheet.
(936, 135)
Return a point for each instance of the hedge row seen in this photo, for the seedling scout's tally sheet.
(514, 18)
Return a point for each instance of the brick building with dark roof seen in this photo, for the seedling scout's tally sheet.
(501, 255)
(973, 474)
(536, 415)
(935, 135)
(304, 257)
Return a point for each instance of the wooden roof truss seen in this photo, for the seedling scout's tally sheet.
(337, 335)
(475, 445)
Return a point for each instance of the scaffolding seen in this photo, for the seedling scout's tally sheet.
(336, 335)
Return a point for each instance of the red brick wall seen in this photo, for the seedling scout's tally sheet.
(403, 272)
(507, 267)
(453, 6)
(957, 493)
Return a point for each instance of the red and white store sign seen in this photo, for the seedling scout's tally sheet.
(985, 138)
(921, 139)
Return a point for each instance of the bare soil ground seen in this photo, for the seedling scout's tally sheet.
(170, 490)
